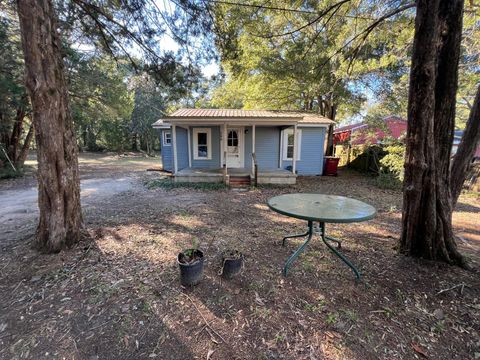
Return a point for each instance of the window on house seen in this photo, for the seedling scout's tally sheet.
(232, 138)
(167, 138)
(202, 140)
(288, 144)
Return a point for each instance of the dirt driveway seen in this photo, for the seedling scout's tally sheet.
(102, 176)
(117, 295)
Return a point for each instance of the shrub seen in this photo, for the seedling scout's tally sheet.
(388, 181)
(169, 184)
(393, 162)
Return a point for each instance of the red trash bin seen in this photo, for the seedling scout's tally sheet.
(330, 166)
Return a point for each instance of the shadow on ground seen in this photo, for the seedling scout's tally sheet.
(117, 296)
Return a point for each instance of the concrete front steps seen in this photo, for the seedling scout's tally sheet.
(239, 181)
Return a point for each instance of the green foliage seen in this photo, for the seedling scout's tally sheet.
(273, 60)
(391, 172)
(169, 184)
(388, 181)
(101, 102)
(12, 91)
(13, 97)
(393, 161)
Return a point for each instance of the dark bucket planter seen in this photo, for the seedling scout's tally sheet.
(232, 263)
(191, 274)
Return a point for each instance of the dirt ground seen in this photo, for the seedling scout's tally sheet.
(117, 294)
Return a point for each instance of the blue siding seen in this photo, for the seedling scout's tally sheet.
(311, 153)
(214, 163)
(167, 154)
(267, 150)
(267, 147)
(182, 148)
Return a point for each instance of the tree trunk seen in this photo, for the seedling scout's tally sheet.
(427, 206)
(14, 142)
(134, 142)
(20, 160)
(58, 180)
(329, 110)
(466, 150)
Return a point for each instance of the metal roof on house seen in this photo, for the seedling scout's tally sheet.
(200, 115)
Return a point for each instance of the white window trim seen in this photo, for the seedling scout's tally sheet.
(285, 133)
(165, 138)
(197, 131)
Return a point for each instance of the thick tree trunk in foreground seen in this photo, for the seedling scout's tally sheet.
(466, 150)
(427, 202)
(58, 180)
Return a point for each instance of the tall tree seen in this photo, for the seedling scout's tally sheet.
(112, 26)
(14, 104)
(58, 178)
(428, 201)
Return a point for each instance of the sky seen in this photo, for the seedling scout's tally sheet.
(169, 44)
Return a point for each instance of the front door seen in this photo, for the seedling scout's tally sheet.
(235, 147)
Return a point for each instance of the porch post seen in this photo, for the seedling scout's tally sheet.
(253, 139)
(174, 136)
(225, 147)
(224, 154)
(221, 145)
(189, 147)
(294, 160)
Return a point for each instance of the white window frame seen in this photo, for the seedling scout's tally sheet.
(165, 143)
(287, 132)
(197, 131)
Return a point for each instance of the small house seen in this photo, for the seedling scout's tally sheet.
(241, 146)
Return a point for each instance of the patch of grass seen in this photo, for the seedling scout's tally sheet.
(8, 173)
(146, 307)
(438, 327)
(388, 181)
(254, 286)
(271, 186)
(169, 184)
(315, 307)
(280, 337)
(350, 315)
(262, 313)
(308, 265)
(331, 318)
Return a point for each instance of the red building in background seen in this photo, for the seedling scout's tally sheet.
(362, 133)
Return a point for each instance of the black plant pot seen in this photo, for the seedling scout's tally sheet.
(191, 273)
(232, 263)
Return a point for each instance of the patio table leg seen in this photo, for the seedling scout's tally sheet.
(293, 236)
(338, 253)
(338, 242)
(300, 249)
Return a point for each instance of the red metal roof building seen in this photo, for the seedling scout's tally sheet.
(360, 133)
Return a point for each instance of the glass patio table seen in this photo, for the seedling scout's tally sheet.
(322, 209)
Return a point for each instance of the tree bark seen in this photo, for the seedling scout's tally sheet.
(20, 160)
(466, 150)
(14, 142)
(427, 207)
(58, 179)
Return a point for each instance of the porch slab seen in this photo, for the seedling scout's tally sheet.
(266, 176)
(276, 176)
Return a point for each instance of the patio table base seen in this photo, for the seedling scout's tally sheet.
(320, 230)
